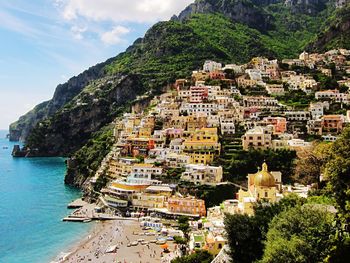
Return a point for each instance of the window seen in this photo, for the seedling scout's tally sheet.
(266, 195)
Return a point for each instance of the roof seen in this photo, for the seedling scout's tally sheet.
(161, 188)
(112, 199)
(264, 178)
(143, 165)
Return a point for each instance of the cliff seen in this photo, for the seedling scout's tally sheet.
(336, 32)
(64, 93)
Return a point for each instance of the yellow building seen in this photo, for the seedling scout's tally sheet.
(200, 76)
(145, 132)
(154, 196)
(261, 186)
(202, 145)
(121, 167)
(204, 139)
(214, 244)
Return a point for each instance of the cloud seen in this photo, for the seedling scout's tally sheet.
(78, 32)
(115, 35)
(141, 11)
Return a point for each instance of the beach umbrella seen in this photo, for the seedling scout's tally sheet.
(164, 246)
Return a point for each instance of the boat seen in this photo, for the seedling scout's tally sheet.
(112, 249)
(135, 243)
(161, 241)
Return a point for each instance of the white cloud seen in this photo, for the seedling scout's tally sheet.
(115, 35)
(78, 32)
(120, 10)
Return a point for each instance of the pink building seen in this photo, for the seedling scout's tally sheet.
(279, 124)
(198, 94)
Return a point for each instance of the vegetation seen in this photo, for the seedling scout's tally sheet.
(243, 162)
(308, 169)
(201, 256)
(296, 99)
(305, 234)
(246, 234)
(90, 156)
(184, 225)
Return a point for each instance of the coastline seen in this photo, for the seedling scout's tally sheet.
(93, 246)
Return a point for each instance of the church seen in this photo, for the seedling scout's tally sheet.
(262, 186)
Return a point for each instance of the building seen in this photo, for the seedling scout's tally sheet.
(214, 244)
(186, 206)
(121, 167)
(298, 115)
(144, 174)
(317, 109)
(333, 95)
(279, 124)
(257, 138)
(202, 174)
(154, 196)
(275, 89)
(332, 123)
(227, 126)
(198, 94)
(202, 145)
(261, 102)
(263, 185)
(210, 66)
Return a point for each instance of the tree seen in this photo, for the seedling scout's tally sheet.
(338, 173)
(300, 234)
(201, 256)
(244, 238)
(310, 165)
(246, 235)
(184, 226)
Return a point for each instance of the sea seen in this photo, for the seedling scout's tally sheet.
(33, 201)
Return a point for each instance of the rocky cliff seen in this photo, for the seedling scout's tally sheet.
(88, 112)
(335, 34)
(64, 93)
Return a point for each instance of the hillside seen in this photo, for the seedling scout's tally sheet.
(335, 33)
(228, 31)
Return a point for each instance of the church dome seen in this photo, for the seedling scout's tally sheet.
(264, 178)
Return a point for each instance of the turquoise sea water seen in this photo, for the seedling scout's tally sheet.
(33, 201)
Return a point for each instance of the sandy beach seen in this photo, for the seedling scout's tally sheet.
(120, 233)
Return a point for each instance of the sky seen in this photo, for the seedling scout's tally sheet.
(45, 42)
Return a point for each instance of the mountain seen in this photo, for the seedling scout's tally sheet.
(335, 33)
(229, 31)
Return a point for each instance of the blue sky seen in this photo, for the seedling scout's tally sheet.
(45, 42)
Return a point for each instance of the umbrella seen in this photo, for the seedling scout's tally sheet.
(164, 246)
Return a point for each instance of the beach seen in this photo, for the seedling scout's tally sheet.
(118, 233)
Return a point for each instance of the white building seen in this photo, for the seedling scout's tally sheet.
(298, 115)
(227, 126)
(333, 95)
(144, 174)
(202, 174)
(210, 66)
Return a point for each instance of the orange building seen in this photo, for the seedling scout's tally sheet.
(332, 123)
(217, 75)
(279, 124)
(186, 205)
